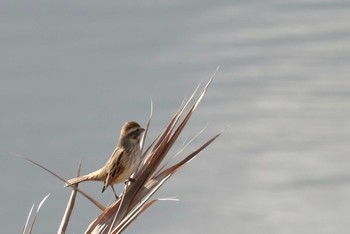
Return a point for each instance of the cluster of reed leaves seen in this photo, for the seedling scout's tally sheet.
(151, 174)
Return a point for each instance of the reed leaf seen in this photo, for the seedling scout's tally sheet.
(94, 201)
(36, 213)
(69, 209)
(27, 220)
(150, 175)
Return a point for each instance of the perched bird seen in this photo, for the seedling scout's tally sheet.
(123, 161)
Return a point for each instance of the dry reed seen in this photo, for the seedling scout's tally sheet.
(151, 174)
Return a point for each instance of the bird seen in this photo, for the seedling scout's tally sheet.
(123, 161)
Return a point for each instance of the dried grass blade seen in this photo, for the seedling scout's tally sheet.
(175, 167)
(105, 218)
(162, 149)
(180, 151)
(157, 181)
(158, 152)
(144, 194)
(27, 220)
(175, 119)
(146, 161)
(140, 211)
(141, 178)
(169, 138)
(121, 229)
(94, 201)
(37, 212)
(143, 141)
(147, 127)
(160, 179)
(69, 209)
(37, 164)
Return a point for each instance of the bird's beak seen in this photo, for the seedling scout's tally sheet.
(142, 129)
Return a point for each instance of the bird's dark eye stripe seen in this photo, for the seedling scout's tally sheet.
(135, 132)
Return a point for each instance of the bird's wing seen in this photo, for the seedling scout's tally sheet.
(113, 167)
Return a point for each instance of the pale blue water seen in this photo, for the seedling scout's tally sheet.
(71, 73)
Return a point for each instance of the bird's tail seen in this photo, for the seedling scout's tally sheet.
(96, 175)
(76, 180)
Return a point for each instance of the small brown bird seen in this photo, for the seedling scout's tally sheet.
(123, 161)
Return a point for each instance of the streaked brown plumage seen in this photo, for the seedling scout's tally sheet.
(123, 161)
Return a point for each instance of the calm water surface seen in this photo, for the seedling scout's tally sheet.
(71, 73)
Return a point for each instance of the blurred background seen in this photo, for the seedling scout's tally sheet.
(72, 72)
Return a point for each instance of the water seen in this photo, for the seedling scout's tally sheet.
(72, 73)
